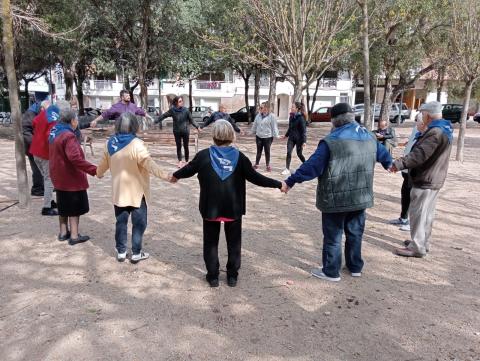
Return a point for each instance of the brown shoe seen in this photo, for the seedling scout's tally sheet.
(406, 252)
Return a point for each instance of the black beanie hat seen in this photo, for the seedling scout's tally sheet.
(340, 108)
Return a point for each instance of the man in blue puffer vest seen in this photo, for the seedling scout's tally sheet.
(344, 164)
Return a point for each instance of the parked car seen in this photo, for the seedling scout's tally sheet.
(395, 115)
(241, 115)
(201, 113)
(476, 117)
(453, 112)
(92, 111)
(359, 110)
(153, 111)
(5, 118)
(322, 114)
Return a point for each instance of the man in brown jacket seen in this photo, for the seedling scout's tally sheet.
(427, 164)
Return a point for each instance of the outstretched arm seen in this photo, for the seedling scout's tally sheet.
(256, 178)
(189, 170)
(313, 167)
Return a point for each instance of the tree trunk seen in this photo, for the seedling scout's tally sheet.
(440, 82)
(246, 79)
(386, 103)
(463, 120)
(256, 89)
(272, 91)
(8, 46)
(68, 74)
(190, 95)
(79, 79)
(317, 85)
(160, 95)
(366, 68)
(142, 65)
(297, 91)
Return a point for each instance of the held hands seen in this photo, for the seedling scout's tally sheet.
(93, 123)
(285, 188)
(172, 179)
(393, 169)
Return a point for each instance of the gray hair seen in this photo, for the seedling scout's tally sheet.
(342, 119)
(223, 133)
(63, 105)
(67, 115)
(127, 124)
(431, 108)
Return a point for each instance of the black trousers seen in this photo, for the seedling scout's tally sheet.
(291, 143)
(211, 235)
(261, 144)
(37, 178)
(179, 138)
(405, 194)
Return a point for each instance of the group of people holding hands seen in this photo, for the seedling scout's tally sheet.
(343, 163)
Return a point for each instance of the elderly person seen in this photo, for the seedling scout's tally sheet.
(344, 164)
(265, 129)
(427, 164)
(221, 114)
(386, 135)
(402, 221)
(222, 173)
(68, 170)
(130, 163)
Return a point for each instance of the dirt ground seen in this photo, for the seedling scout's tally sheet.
(59, 302)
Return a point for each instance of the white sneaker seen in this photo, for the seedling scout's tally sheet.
(121, 256)
(286, 172)
(405, 227)
(139, 257)
(319, 274)
(356, 274)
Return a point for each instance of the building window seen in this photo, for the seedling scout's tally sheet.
(344, 98)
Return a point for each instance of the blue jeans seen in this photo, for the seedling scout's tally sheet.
(334, 224)
(139, 224)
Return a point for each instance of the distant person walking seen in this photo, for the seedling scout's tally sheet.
(296, 134)
(386, 135)
(181, 127)
(265, 129)
(427, 164)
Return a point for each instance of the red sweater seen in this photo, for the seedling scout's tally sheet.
(68, 166)
(41, 131)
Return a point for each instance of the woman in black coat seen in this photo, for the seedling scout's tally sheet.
(222, 173)
(296, 134)
(181, 126)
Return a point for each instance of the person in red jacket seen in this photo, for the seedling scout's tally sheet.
(68, 169)
(42, 124)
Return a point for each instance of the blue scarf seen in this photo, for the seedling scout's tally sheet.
(53, 114)
(445, 126)
(178, 110)
(224, 160)
(58, 129)
(119, 141)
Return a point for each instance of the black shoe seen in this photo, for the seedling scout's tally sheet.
(231, 281)
(49, 212)
(213, 282)
(53, 204)
(64, 238)
(37, 193)
(80, 239)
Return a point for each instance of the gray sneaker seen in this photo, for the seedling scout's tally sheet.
(139, 257)
(317, 272)
(399, 221)
(121, 257)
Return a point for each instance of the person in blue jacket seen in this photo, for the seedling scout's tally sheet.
(344, 164)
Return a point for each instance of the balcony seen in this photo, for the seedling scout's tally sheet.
(102, 84)
(208, 85)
